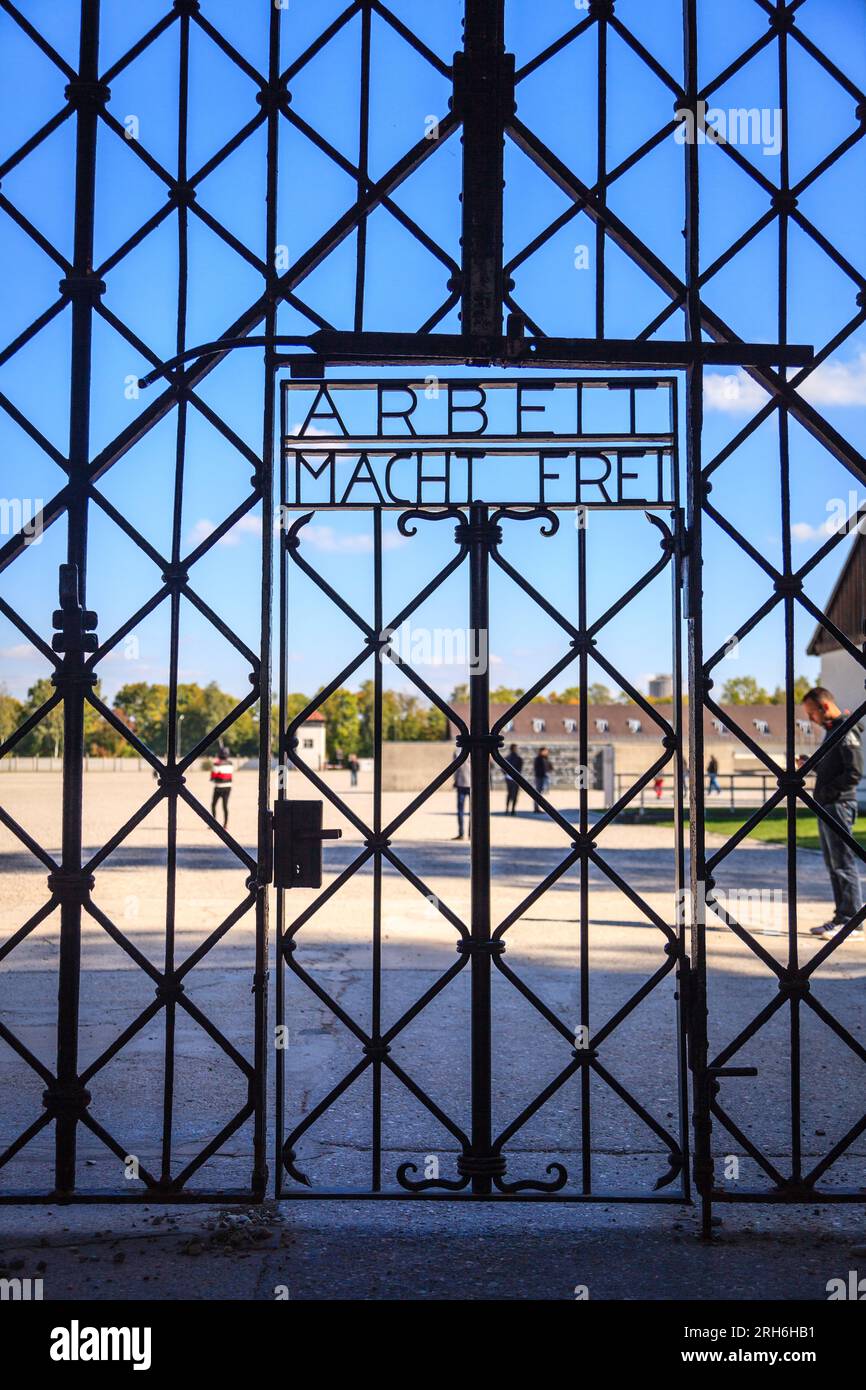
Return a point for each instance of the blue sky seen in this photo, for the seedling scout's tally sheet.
(405, 284)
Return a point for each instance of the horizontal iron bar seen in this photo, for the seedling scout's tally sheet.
(510, 445)
(527, 502)
(489, 383)
(147, 1196)
(385, 349)
(455, 349)
(354, 1195)
(771, 1197)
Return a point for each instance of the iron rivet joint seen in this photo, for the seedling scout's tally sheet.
(86, 96)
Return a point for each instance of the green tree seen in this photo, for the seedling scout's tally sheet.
(506, 695)
(145, 708)
(101, 740)
(801, 685)
(295, 702)
(744, 690)
(598, 694)
(11, 714)
(345, 724)
(46, 740)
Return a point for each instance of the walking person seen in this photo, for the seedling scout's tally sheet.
(837, 775)
(462, 786)
(713, 775)
(221, 782)
(659, 786)
(541, 769)
(512, 790)
(354, 767)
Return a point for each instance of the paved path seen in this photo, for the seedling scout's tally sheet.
(625, 949)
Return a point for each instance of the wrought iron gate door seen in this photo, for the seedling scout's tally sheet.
(499, 291)
(374, 1100)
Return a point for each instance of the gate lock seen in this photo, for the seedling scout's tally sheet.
(298, 837)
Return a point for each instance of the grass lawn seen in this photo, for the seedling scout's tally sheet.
(773, 828)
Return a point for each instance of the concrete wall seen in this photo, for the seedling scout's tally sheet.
(407, 767)
(841, 674)
(411, 766)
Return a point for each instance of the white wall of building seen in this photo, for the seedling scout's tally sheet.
(311, 744)
(841, 674)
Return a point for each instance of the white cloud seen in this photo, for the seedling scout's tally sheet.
(832, 383)
(313, 429)
(21, 651)
(357, 543)
(732, 392)
(838, 383)
(247, 525)
(805, 531)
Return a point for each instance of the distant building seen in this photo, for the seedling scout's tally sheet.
(311, 737)
(661, 688)
(623, 739)
(846, 609)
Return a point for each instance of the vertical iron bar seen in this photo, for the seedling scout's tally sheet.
(69, 964)
(683, 963)
(363, 161)
(482, 68)
(376, 1011)
(697, 1011)
(795, 1079)
(265, 483)
(172, 750)
(601, 173)
(479, 811)
(583, 715)
(280, 1079)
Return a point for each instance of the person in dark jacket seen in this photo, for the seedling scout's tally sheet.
(713, 776)
(512, 790)
(837, 774)
(541, 769)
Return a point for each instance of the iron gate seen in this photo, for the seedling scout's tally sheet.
(71, 116)
(342, 472)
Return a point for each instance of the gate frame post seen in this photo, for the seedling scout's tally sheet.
(697, 985)
(68, 1099)
(482, 1163)
(484, 97)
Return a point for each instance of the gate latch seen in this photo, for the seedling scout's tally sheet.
(298, 837)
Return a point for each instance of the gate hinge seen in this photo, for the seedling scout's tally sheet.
(265, 869)
(75, 625)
